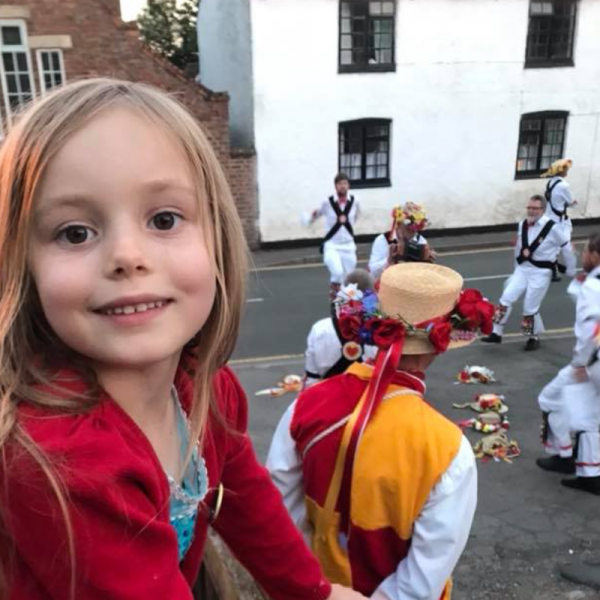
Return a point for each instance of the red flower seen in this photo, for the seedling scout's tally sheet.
(386, 332)
(485, 316)
(439, 336)
(349, 327)
(476, 311)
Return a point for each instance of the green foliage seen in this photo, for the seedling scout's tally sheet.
(169, 28)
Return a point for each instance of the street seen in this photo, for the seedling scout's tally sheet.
(526, 522)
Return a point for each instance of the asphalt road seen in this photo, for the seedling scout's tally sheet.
(526, 522)
(284, 302)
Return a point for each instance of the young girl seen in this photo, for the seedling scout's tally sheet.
(122, 434)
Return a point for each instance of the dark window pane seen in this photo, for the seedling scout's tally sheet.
(11, 36)
(56, 61)
(45, 61)
(551, 31)
(48, 82)
(25, 83)
(21, 61)
(9, 63)
(11, 84)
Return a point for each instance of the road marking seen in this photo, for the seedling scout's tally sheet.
(260, 359)
(254, 300)
(516, 336)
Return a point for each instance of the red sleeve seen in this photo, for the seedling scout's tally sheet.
(123, 549)
(253, 520)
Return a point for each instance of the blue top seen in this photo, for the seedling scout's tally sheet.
(186, 497)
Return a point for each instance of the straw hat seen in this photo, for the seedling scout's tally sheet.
(418, 292)
(558, 166)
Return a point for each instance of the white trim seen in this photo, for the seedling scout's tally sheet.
(24, 49)
(42, 72)
(50, 42)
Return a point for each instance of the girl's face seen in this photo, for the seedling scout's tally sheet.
(117, 250)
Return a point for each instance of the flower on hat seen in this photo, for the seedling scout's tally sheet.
(361, 320)
(412, 215)
(350, 292)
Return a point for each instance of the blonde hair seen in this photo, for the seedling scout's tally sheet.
(25, 334)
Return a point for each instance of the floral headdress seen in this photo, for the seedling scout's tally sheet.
(412, 215)
(361, 322)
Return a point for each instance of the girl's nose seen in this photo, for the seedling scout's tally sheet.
(126, 255)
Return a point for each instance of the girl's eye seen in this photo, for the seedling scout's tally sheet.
(75, 234)
(165, 220)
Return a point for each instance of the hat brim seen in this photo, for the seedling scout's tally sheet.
(417, 345)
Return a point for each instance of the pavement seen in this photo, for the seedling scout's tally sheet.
(527, 525)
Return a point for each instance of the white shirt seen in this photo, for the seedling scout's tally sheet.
(561, 198)
(548, 250)
(380, 252)
(342, 237)
(440, 532)
(587, 317)
(323, 350)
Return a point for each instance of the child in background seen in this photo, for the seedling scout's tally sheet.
(122, 433)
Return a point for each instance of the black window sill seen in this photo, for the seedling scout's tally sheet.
(549, 64)
(379, 183)
(367, 68)
(529, 175)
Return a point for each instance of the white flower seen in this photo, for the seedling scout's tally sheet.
(349, 292)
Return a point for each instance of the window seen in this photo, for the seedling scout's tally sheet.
(15, 66)
(51, 68)
(364, 152)
(541, 142)
(551, 33)
(366, 35)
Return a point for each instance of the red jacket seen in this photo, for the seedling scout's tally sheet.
(125, 547)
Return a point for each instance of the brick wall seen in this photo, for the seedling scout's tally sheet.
(104, 46)
(242, 178)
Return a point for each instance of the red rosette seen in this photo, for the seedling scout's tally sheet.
(386, 332)
(439, 336)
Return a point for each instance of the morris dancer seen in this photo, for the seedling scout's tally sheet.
(338, 247)
(538, 243)
(404, 242)
(559, 198)
(382, 485)
(328, 352)
(571, 401)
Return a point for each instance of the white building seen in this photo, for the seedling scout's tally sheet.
(455, 104)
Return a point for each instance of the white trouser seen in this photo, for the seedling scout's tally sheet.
(532, 282)
(573, 408)
(340, 259)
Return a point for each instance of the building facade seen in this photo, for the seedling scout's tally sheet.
(45, 43)
(455, 104)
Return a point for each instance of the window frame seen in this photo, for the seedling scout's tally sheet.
(547, 61)
(363, 124)
(543, 116)
(366, 67)
(24, 48)
(42, 72)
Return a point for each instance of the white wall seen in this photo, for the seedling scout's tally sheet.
(455, 100)
(224, 42)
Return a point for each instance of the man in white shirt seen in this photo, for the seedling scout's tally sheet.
(338, 247)
(539, 241)
(559, 197)
(324, 356)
